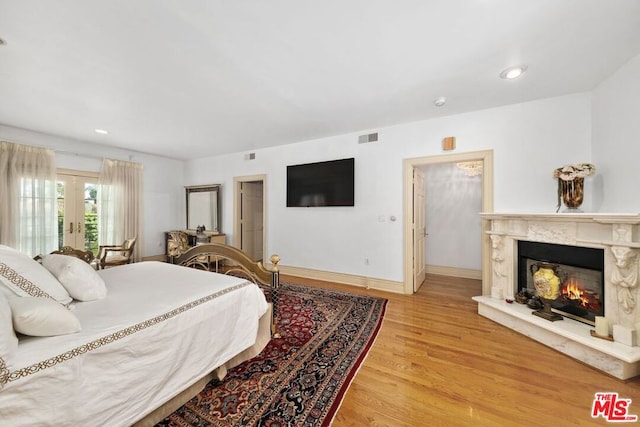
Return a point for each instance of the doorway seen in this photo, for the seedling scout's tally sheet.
(249, 216)
(410, 165)
(77, 209)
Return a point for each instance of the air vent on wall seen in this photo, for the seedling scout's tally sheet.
(372, 137)
(250, 156)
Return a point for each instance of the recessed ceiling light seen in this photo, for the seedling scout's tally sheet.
(513, 72)
(439, 102)
(102, 132)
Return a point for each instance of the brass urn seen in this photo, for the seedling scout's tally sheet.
(547, 278)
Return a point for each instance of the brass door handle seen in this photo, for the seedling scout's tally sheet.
(79, 227)
(71, 228)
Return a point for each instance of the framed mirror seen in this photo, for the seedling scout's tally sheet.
(203, 207)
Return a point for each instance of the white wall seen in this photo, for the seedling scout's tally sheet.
(453, 201)
(529, 141)
(616, 140)
(163, 204)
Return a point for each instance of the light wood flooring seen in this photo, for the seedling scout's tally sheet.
(436, 362)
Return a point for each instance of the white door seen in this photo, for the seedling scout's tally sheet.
(77, 211)
(419, 229)
(251, 219)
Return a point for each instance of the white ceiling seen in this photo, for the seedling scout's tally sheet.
(192, 78)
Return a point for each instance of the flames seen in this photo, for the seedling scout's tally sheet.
(574, 292)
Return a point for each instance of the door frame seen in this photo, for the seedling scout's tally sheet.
(237, 181)
(486, 156)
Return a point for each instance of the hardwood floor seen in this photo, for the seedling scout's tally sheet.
(436, 362)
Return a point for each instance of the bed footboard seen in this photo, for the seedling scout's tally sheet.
(226, 259)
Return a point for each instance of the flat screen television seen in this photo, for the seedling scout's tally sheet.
(328, 183)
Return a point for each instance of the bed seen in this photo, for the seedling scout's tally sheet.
(161, 330)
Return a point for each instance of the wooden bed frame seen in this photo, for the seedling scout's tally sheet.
(226, 259)
(85, 255)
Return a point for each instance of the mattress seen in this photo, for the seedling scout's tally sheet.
(160, 328)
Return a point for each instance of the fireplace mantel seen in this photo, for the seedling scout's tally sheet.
(603, 218)
(617, 234)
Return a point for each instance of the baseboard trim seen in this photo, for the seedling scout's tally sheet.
(464, 273)
(347, 279)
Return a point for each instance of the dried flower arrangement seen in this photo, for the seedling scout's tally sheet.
(570, 172)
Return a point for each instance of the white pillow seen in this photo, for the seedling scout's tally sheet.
(80, 280)
(42, 317)
(26, 277)
(8, 339)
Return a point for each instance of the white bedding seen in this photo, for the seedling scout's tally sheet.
(160, 328)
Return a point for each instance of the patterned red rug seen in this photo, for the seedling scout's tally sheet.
(300, 379)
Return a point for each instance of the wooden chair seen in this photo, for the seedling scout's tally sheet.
(112, 255)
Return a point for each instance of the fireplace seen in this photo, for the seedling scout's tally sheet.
(605, 247)
(581, 273)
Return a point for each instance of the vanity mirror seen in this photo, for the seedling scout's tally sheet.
(203, 207)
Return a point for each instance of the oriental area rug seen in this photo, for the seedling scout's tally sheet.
(301, 378)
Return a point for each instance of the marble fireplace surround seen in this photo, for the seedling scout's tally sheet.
(617, 234)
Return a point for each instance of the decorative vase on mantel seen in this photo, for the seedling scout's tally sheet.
(571, 185)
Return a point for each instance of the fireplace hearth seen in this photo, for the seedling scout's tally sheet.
(581, 272)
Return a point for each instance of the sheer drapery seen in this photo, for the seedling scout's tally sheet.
(28, 208)
(120, 203)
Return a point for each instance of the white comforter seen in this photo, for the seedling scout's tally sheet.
(160, 328)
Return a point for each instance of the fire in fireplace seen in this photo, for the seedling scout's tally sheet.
(574, 293)
(581, 271)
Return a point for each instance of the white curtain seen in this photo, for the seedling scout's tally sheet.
(28, 206)
(120, 204)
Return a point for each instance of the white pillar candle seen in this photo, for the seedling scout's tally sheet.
(602, 326)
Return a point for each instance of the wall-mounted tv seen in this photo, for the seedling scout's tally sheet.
(321, 184)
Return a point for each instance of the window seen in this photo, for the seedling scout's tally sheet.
(77, 195)
(27, 198)
(36, 213)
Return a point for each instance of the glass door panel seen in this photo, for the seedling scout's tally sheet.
(60, 187)
(91, 217)
(78, 211)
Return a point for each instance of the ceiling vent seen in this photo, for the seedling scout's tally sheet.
(372, 137)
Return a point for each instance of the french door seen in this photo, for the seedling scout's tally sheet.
(77, 193)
